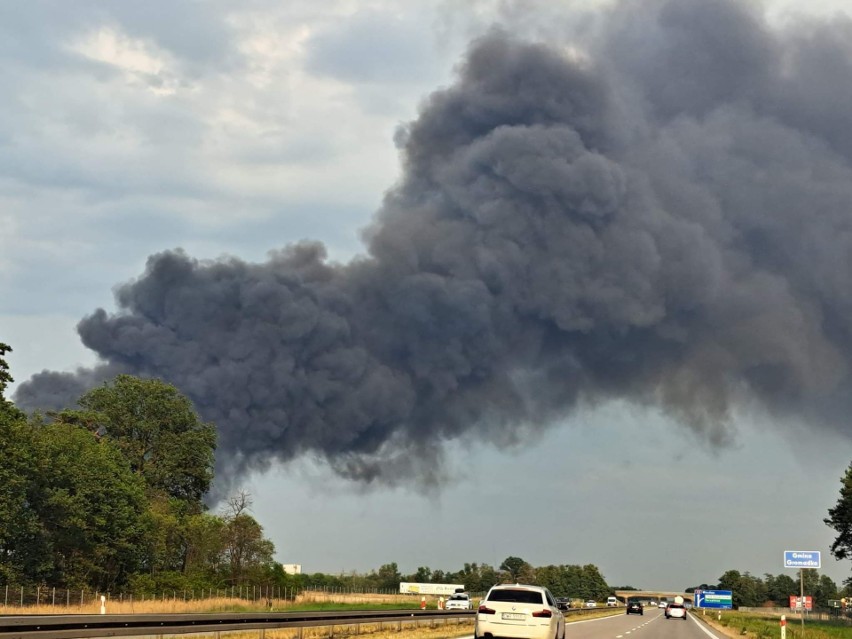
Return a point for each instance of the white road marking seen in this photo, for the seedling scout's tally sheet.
(704, 630)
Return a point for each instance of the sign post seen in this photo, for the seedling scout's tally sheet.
(802, 559)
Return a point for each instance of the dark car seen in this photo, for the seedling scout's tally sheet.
(563, 603)
(635, 606)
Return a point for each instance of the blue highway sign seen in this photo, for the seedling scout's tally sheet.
(722, 599)
(802, 559)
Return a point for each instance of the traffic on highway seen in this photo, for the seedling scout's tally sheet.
(531, 612)
(652, 625)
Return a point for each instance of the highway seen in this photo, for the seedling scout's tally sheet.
(652, 625)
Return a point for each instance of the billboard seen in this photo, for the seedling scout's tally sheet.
(407, 588)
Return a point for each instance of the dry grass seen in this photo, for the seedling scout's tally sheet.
(309, 596)
(168, 605)
(135, 606)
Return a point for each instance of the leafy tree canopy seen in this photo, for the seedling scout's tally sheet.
(89, 505)
(21, 550)
(5, 376)
(514, 566)
(6, 379)
(157, 430)
(840, 518)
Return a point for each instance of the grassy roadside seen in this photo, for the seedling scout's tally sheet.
(753, 626)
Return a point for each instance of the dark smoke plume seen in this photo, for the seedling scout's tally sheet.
(665, 218)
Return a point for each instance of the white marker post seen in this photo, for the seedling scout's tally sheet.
(783, 626)
(103, 604)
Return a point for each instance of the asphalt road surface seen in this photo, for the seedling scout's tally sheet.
(652, 625)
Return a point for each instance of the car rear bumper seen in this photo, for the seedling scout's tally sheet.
(514, 631)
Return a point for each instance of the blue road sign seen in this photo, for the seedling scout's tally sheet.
(721, 599)
(802, 559)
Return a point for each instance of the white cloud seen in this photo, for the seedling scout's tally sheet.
(141, 61)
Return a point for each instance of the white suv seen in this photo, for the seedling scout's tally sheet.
(458, 601)
(519, 611)
(675, 611)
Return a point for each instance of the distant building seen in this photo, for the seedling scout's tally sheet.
(292, 569)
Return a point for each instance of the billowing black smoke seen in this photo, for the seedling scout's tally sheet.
(664, 218)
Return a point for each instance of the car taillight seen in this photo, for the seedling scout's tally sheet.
(542, 613)
(485, 610)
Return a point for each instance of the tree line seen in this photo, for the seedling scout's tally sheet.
(109, 497)
(580, 582)
(752, 591)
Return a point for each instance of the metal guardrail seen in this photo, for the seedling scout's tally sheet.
(79, 626)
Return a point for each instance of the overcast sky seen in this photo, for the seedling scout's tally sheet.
(127, 129)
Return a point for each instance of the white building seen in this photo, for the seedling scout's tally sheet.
(292, 569)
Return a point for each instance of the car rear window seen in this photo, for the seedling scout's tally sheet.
(675, 606)
(516, 596)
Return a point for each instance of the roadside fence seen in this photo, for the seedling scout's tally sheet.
(266, 595)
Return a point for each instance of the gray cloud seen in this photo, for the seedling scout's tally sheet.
(666, 221)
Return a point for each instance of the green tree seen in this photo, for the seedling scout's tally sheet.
(90, 508)
(247, 553)
(6, 379)
(747, 590)
(594, 584)
(422, 576)
(780, 587)
(840, 518)
(825, 589)
(205, 542)
(165, 548)
(388, 577)
(730, 581)
(754, 590)
(550, 577)
(477, 577)
(810, 579)
(23, 554)
(513, 566)
(157, 430)
(5, 376)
